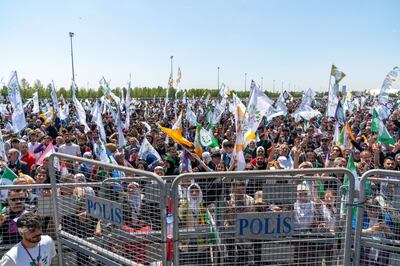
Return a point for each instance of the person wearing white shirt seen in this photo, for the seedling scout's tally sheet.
(34, 249)
(69, 147)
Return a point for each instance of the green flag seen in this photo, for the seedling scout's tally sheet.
(6, 178)
(375, 122)
(384, 136)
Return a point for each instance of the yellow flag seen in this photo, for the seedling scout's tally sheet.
(176, 135)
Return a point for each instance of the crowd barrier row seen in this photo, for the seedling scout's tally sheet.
(103, 214)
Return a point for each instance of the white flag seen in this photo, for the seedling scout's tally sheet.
(54, 99)
(107, 91)
(18, 115)
(146, 148)
(79, 108)
(35, 109)
(96, 117)
(121, 137)
(3, 154)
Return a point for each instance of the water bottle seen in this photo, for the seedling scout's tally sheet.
(170, 221)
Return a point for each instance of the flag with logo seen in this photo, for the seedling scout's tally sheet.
(346, 136)
(108, 93)
(18, 114)
(146, 148)
(259, 105)
(241, 124)
(387, 85)
(337, 74)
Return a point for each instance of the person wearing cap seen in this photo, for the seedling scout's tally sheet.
(34, 249)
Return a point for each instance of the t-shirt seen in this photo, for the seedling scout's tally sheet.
(17, 255)
(72, 149)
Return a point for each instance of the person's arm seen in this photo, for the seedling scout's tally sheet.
(376, 149)
(7, 261)
(208, 169)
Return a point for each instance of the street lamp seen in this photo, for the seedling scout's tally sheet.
(218, 78)
(172, 83)
(71, 34)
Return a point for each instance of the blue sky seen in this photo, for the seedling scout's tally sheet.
(290, 41)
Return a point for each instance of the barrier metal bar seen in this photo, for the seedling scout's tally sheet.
(98, 250)
(360, 212)
(279, 174)
(140, 173)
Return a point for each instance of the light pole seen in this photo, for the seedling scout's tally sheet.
(172, 83)
(71, 34)
(218, 77)
(245, 81)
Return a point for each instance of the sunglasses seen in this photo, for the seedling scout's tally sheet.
(16, 199)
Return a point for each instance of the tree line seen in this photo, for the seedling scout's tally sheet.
(27, 91)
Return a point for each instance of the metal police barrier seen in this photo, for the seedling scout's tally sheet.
(284, 217)
(115, 216)
(17, 199)
(377, 230)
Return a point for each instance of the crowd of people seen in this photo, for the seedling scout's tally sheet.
(280, 143)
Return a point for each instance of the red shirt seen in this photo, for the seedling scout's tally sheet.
(30, 159)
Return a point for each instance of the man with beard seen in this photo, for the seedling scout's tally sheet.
(69, 147)
(34, 249)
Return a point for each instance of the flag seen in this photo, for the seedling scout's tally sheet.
(375, 122)
(54, 99)
(46, 153)
(259, 105)
(197, 146)
(146, 148)
(79, 108)
(178, 123)
(18, 114)
(336, 134)
(205, 137)
(241, 119)
(224, 91)
(340, 115)
(121, 137)
(6, 179)
(186, 165)
(384, 136)
(100, 151)
(191, 117)
(147, 126)
(176, 135)
(3, 154)
(170, 81)
(178, 76)
(345, 137)
(64, 110)
(97, 118)
(35, 109)
(387, 85)
(107, 92)
(338, 75)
